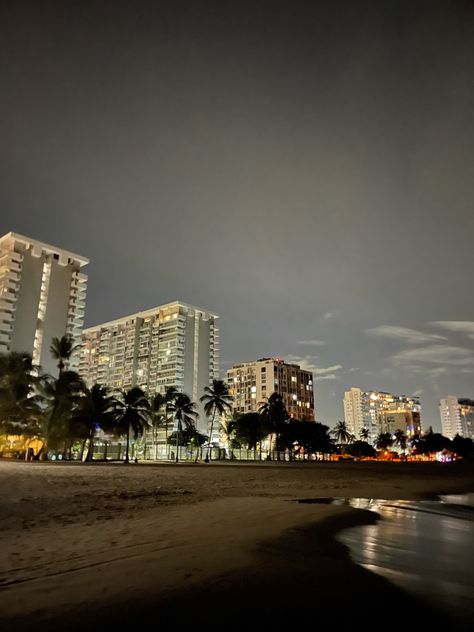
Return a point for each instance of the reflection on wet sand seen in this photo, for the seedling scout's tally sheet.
(426, 547)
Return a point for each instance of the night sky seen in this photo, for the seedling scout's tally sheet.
(305, 169)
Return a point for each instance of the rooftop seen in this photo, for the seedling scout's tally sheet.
(46, 247)
(149, 312)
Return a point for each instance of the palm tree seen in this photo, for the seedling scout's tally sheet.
(401, 439)
(132, 413)
(311, 438)
(364, 434)
(248, 429)
(432, 442)
(96, 409)
(159, 414)
(228, 428)
(62, 349)
(20, 403)
(341, 433)
(184, 413)
(62, 396)
(275, 415)
(217, 401)
(384, 441)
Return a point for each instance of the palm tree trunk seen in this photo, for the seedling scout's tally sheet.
(178, 430)
(269, 455)
(127, 460)
(44, 449)
(207, 459)
(90, 453)
(83, 448)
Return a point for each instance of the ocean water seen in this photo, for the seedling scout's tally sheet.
(424, 547)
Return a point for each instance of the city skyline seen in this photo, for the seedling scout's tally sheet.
(150, 313)
(302, 169)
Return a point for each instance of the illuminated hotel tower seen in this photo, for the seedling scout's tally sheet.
(250, 383)
(42, 296)
(457, 416)
(379, 412)
(170, 345)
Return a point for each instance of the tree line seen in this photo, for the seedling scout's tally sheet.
(419, 444)
(63, 412)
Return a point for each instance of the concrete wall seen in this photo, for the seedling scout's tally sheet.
(26, 313)
(55, 321)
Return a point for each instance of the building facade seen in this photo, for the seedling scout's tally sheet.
(250, 383)
(380, 412)
(42, 296)
(170, 345)
(457, 416)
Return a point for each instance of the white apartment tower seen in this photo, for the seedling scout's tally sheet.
(42, 296)
(457, 417)
(170, 345)
(380, 412)
(356, 412)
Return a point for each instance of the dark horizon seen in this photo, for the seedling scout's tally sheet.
(304, 169)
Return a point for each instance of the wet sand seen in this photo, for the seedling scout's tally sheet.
(213, 544)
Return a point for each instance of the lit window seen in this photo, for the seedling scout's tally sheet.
(293, 378)
(254, 389)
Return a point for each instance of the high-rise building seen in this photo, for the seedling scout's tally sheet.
(250, 383)
(42, 296)
(379, 412)
(170, 345)
(457, 416)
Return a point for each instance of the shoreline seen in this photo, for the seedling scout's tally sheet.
(180, 556)
(304, 565)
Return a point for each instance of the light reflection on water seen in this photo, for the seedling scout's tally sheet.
(426, 547)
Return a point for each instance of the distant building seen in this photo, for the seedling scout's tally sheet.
(42, 296)
(457, 416)
(250, 383)
(170, 345)
(379, 412)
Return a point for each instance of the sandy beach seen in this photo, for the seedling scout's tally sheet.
(217, 544)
